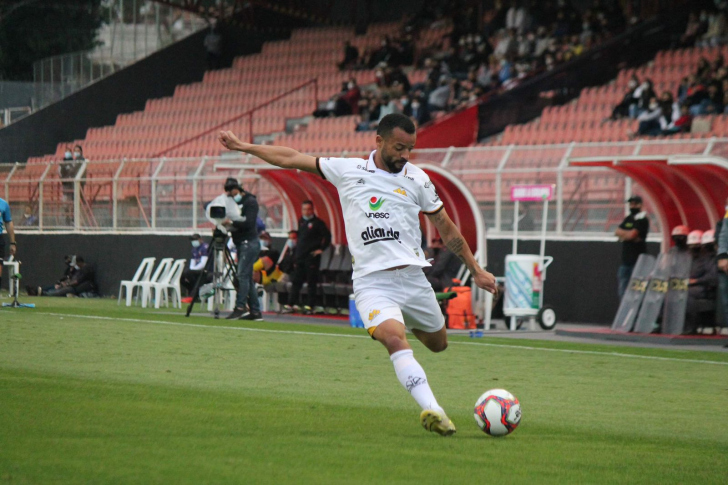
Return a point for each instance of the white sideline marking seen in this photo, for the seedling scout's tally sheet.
(324, 334)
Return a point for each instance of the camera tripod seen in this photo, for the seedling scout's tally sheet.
(221, 266)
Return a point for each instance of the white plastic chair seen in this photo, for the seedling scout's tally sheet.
(143, 273)
(170, 281)
(160, 274)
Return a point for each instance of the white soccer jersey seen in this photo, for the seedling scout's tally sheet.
(381, 211)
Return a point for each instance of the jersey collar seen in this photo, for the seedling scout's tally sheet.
(384, 172)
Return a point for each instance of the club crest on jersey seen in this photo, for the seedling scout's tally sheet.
(400, 191)
(376, 203)
(373, 314)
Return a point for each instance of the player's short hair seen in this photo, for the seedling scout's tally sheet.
(395, 120)
(307, 202)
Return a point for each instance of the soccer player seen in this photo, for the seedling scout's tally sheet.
(381, 200)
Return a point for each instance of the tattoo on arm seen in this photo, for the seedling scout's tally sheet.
(456, 246)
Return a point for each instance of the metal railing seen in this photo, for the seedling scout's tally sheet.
(132, 30)
(169, 194)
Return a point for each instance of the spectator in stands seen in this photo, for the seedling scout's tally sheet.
(198, 261)
(385, 106)
(722, 231)
(696, 92)
(439, 97)
(337, 105)
(351, 95)
(622, 110)
(682, 90)
(213, 47)
(70, 263)
(517, 17)
(681, 124)
(692, 31)
(643, 94)
(632, 232)
(245, 236)
(670, 109)
(716, 32)
(649, 121)
(29, 218)
(351, 57)
(313, 238)
(416, 109)
(82, 283)
(711, 102)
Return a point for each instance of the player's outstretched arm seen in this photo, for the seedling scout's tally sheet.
(455, 242)
(283, 157)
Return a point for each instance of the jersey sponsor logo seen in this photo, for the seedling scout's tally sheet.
(378, 215)
(376, 234)
(428, 184)
(400, 191)
(436, 199)
(373, 314)
(360, 182)
(376, 203)
(362, 167)
(409, 178)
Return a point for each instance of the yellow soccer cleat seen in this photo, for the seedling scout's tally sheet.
(437, 422)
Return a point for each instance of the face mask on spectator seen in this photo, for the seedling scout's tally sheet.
(653, 105)
(291, 243)
(645, 85)
(307, 218)
(264, 244)
(238, 198)
(76, 154)
(350, 85)
(67, 154)
(632, 84)
(415, 104)
(403, 100)
(195, 244)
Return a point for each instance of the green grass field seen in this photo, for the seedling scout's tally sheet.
(95, 393)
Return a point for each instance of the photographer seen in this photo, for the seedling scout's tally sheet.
(240, 220)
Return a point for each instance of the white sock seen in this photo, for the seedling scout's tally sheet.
(413, 378)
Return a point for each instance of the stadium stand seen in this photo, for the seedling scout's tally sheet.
(586, 118)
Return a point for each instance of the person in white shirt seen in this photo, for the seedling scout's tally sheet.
(382, 198)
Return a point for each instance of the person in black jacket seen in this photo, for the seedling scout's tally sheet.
(82, 281)
(313, 238)
(244, 231)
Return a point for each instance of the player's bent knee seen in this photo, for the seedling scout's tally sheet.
(438, 346)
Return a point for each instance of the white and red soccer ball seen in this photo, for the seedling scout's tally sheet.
(497, 412)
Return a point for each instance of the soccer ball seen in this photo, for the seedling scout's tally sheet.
(497, 412)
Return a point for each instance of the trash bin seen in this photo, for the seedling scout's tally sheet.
(354, 317)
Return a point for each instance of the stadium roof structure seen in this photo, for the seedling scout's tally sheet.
(686, 190)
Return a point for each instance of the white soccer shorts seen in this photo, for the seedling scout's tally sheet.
(404, 295)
